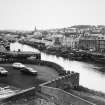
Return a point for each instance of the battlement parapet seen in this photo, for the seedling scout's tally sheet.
(70, 80)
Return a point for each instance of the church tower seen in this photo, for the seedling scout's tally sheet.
(35, 29)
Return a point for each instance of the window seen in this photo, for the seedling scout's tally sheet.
(102, 37)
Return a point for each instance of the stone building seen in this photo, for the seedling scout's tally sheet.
(71, 40)
(68, 42)
(92, 42)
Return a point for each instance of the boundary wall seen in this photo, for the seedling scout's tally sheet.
(70, 80)
(61, 97)
(24, 93)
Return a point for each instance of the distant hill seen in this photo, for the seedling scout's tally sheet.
(82, 26)
(102, 26)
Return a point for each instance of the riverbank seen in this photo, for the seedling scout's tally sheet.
(67, 53)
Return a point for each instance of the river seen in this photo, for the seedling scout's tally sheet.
(90, 76)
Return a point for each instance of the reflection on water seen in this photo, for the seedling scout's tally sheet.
(90, 77)
(16, 46)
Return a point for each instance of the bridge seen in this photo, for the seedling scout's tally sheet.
(19, 54)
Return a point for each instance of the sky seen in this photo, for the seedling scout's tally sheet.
(47, 14)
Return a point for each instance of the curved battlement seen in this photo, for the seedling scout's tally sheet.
(70, 80)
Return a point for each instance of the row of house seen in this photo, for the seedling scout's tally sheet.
(74, 39)
(86, 41)
(92, 42)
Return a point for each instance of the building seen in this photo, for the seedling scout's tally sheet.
(54, 40)
(92, 42)
(68, 42)
(71, 40)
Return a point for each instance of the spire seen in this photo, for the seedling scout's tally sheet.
(35, 29)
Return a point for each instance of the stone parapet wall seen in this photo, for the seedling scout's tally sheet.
(61, 97)
(70, 80)
(24, 93)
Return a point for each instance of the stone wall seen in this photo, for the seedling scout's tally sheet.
(24, 93)
(70, 80)
(60, 97)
